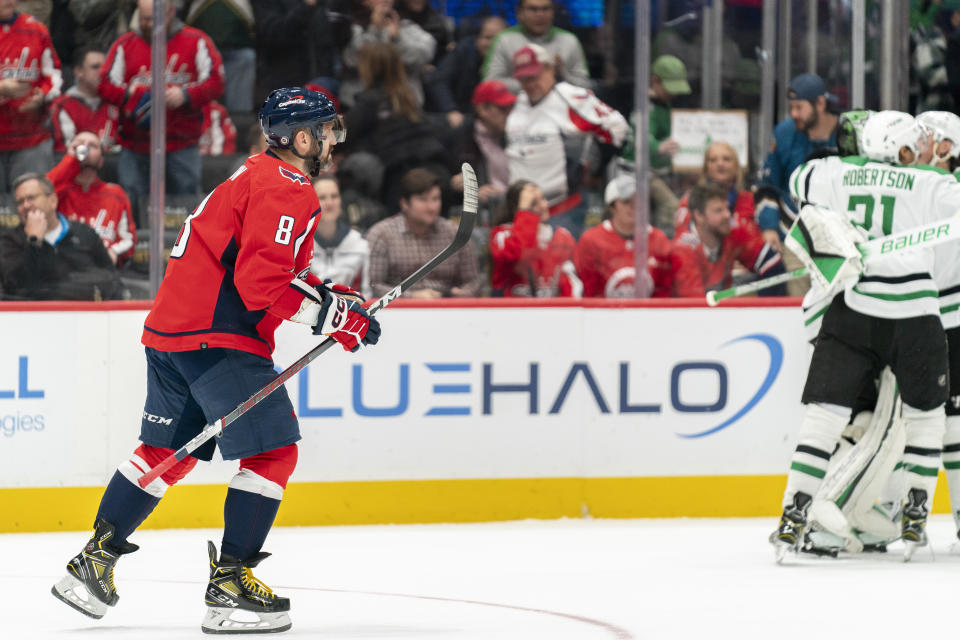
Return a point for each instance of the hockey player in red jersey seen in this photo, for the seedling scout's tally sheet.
(29, 79)
(707, 253)
(83, 196)
(239, 267)
(530, 257)
(604, 257)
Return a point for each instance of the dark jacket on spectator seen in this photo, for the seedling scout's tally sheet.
(431, 21)
(394, 139)
(294, 45)
(77, 268)
(464, 148)
(451, 86)
(399, 143)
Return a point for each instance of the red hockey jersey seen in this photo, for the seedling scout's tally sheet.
(522, 253)
(606, 264)
(101, 205)
(73, 112)
(241, 263)
(193, 64)
(698, 271)
(26, 54)
(219, 136)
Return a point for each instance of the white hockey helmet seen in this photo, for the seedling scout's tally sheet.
(945, 127)
(894, 137)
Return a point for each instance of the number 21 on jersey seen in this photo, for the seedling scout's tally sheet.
(867, 203)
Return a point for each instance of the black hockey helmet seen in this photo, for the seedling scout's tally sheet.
(291, 108)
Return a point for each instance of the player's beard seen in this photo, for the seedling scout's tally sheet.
(322, 161)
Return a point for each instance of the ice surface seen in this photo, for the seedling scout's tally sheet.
(576, 579)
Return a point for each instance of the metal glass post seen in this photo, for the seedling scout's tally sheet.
(641, 150)
(857, 52)
(811, 36)
(893, 55)
(711, 28)
(767, 57)
(158, 137)
(783, 58)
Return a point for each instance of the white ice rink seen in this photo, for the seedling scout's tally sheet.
(573, 579)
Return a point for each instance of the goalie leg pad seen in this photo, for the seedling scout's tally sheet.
(951, 462)
(858, 474)
(819, 433)
(924, 442)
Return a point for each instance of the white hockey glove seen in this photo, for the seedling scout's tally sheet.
(826, 244)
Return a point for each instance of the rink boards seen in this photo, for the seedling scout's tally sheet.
(479, 411)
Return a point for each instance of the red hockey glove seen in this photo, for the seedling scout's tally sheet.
(346, 322)
(340, 290)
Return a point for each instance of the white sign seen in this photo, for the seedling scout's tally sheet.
(695, 129)
(484, 393)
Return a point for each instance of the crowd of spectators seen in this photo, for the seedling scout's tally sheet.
(526, 105)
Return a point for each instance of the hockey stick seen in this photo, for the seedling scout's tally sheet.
(922, 237)
(467, 221)
(714, 297)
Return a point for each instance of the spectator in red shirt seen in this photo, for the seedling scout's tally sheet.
(29, 79)
(721, 166)
(605, 254)
(529, 256)
(194, 77)
(83, 196)
(219, 135)
(81, 108)
(706, 254)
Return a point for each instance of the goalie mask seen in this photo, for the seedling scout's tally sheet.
(944, 126)
(850, 131)
(894, 137)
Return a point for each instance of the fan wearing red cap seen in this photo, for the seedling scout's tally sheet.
(480, 140)
(544, 129)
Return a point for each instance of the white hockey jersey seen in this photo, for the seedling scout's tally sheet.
(884, 199)
(536, 133)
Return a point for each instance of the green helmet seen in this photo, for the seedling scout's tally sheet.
(850, 130)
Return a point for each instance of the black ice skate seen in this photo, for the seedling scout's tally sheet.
(914, 522)
(88, 586)
(789, 534)
(239, 603)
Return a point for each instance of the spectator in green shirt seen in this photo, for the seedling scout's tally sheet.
(668, 79)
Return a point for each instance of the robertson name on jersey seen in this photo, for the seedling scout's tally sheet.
(884, 199)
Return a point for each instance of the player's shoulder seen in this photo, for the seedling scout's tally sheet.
(267, 170)
(931, 172)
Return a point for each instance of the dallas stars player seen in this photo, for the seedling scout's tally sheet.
(888, 315)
